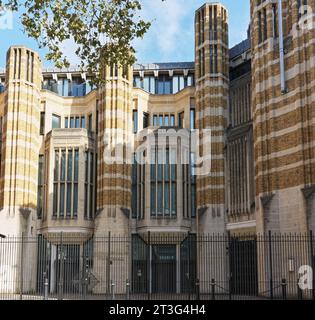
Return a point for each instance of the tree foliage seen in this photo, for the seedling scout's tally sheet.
(102, 30)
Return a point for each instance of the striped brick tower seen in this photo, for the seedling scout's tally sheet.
(113, 178)
(211, 69)
(283, 75)
(114, 134)
(20, 141)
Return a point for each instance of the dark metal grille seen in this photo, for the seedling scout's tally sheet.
(156, 266)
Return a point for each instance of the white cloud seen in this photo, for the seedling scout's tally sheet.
(167, 33)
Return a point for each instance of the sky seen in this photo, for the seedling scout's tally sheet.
(170, 38)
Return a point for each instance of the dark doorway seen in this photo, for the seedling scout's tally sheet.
(68, 268)
(140, 263)
(243, 266)
(164, 268)
(188, 264)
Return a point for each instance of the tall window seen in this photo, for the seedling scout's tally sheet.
(89, 204)
(66, 178)
(40, 187)
(192, 119)
(193, 185)
(164, 85)
(135, 121)
(163, 182)
(138, 187)
(178, 83)
(55, 121)
(145, 120)
(42, 123)
(134, 184)
(149, 84)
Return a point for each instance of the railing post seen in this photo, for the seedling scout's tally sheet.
(149, 266)
(270, 265)
(188, 268)
(127, 290)
(197, 289)
(113, 289)
(22, 266)
(213, 289)
(284, 289)
(229, 259)
(312, 262)
(299, 290)
(85, 278)
(108, 264)
(46, 284)
(61, 265)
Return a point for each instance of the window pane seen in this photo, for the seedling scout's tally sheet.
(172, 123)
(174, 198)
(146, 84)
(181, 83)
(75, 199)
(190, 81)
(69, 193)
(55, 121)
(145, 120)
(82, 122)
(69, 168)
(66, 122)
(153, 199)
(40, 186)
(175, 84)
(56, 170)
(72, 122)
(62, 200)
(91, 202)
(160, 85)
(135, 121)
(91, 167)
(167, 166)
(42, 123)
(160, 165)
(193, 200)
(76, 165)
(85, 201)
(160, 198)
(55, 200)
(192, 119)
(160, 120)
(167, 85)
(77, 122)
(63, 166)
(155, 120)
(166, 198)
(152, 85)
(166, 121)
(86, 166)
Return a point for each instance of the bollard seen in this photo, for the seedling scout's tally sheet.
(127, 289)
(213, 289)
(46, 289)
(284, 289)
(197, 289)
(113, 290)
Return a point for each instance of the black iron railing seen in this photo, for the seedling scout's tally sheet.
(157, 266)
